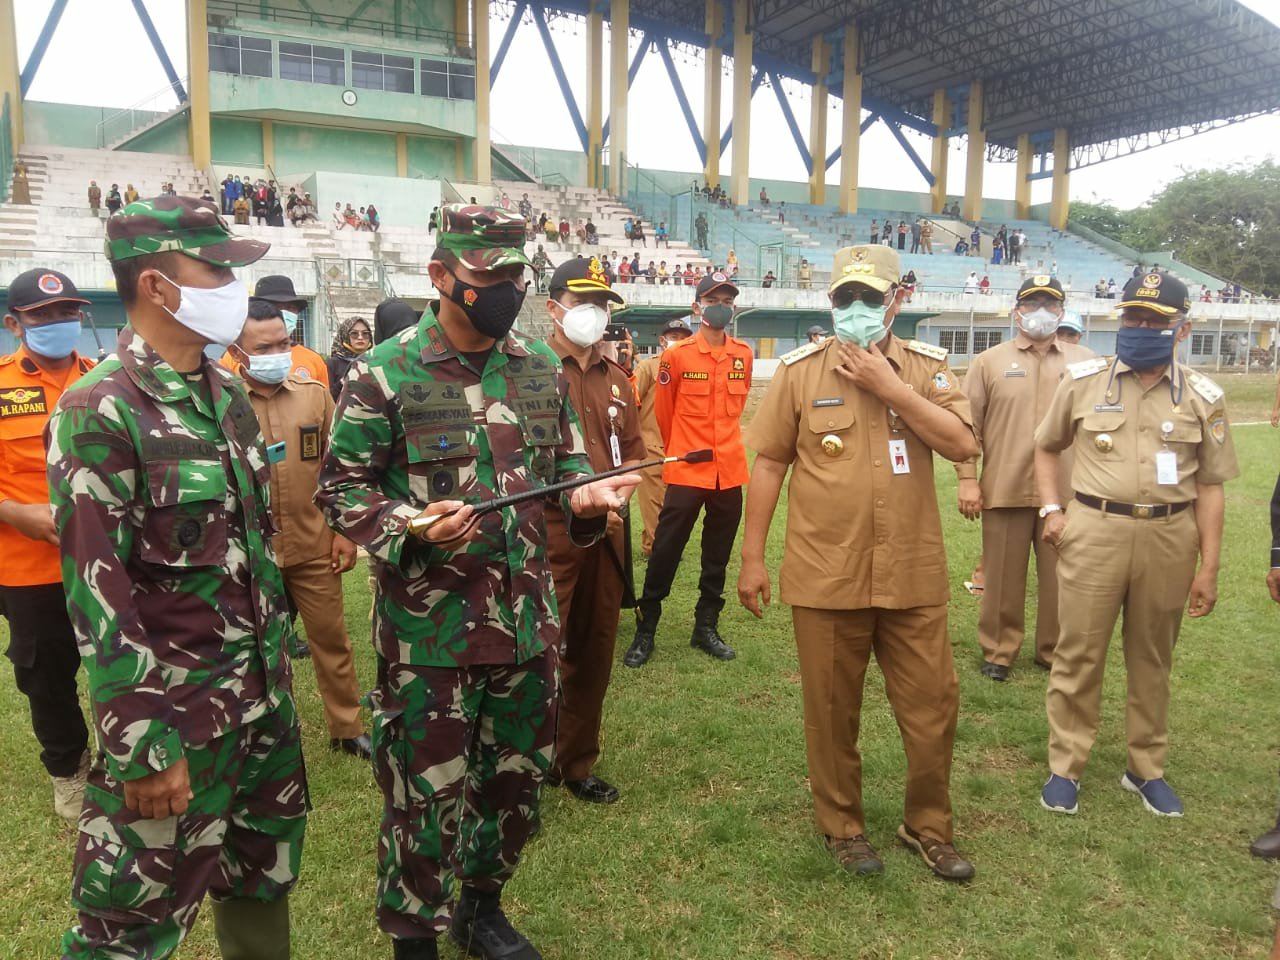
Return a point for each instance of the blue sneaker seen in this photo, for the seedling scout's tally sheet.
(1060, 795)
(1157, 796)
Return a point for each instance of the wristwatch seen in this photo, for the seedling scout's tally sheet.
(1049, 508)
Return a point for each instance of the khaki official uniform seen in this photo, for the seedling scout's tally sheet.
(1009, 388)
(589, 580)
(864, 569)
(299, 412)
(652, 489)
(1142, 564)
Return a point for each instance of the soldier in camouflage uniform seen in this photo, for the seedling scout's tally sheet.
(452, 412)
(160, 484)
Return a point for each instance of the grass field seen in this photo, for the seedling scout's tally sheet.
(712, 853)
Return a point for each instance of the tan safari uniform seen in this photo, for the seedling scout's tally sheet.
(1142, 564)
(298, 413)
(1009, 389)
(652, 489)
(864, 569)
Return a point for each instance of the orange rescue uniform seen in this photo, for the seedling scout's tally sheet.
(28, 395)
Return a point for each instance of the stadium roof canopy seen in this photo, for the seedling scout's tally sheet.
(1104, 69)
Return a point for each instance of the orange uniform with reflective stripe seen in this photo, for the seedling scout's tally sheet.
(28, 395)
(698, 401)
(307, 364)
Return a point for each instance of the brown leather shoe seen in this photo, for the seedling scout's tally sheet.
(942, 858)
(856, 855)
(1267, 846)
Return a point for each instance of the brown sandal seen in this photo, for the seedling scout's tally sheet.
(942, 858)
(856, 855)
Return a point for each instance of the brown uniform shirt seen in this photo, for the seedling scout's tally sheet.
(1117, 428)
(646, 380)
(858, 534)
(299, 413)
(1009, 388)
(603, 387)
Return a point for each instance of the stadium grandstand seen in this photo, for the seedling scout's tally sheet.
(386, 102)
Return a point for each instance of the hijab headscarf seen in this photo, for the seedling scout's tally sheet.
(341, 346)
(391, 317)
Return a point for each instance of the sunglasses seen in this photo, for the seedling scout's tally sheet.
(846, 295)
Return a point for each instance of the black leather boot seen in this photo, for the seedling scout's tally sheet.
(416, 948)
(707, 639)
(1267, 846)
(481, 928)
(641, 648)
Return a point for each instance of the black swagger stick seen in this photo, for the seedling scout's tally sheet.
(420, 525)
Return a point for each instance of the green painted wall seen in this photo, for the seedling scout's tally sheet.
(171, 136)
(432, 157)
(303, 148)
(400, 202)
(236, 141)
(63, 124)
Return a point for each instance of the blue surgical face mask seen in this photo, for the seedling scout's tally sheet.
(859, 323)
(270, 367)
(1142, 348)
(57, 341)
(290, 321)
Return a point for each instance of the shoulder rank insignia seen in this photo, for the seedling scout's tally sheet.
(1087, 368)
(927, 349)
(799, 353)
(1202, 385)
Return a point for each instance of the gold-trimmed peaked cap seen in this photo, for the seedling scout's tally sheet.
(875, 265)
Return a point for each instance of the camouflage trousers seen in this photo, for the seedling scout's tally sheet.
(460, 755)
(138, 883)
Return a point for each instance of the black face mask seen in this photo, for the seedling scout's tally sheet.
(717, 316)
(491, 310)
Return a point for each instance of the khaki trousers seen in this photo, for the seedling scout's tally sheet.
(914, 654)
(1106, 565)
(317, 593)
(1008, 536)
(589, 596)
(650, 493)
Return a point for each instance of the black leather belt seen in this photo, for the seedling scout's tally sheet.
(1140, 511)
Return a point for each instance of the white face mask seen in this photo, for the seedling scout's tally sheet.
(584, 324)
(290, 321)
(1039, 325)
(270, 367)
(217, 314)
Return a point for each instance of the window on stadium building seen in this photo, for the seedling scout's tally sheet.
(381, 71)
(448, 79)
(312, 63)
(954, 341)
(1202, 344)
(242, 56)
(986, 339)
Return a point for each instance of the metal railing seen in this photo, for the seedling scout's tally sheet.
(7, 147)
(147, 110)
(222, 10)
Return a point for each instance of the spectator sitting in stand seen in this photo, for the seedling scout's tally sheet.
(526, 208)
(635, 266)
(660, 236)
(593, 234)
(624, 271)
(961, 248)
(551, 230)
(351, 217)
(375, 219)
(651, 273)
(564, 230)
(764, 197)
(971, 282)
(240, 210)
(663, 274)
(581, 231)
(769, 280)
(627, 226)
(984, 286)
(114, 200)
(637, 233)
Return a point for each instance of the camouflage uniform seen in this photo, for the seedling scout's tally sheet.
(160, 488)
(465, 640)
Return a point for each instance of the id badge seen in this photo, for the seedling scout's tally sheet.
(898, 456)
(1166, 468)
(615, 449)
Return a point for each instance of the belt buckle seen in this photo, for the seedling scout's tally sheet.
(1143, 511)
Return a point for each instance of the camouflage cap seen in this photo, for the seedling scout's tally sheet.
(873, 265)
(186, 225)
(483, 238)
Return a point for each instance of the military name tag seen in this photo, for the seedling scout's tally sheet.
(829, 402)
(310, 446)
(22, 402)
(1015, 373)
(1108, 408)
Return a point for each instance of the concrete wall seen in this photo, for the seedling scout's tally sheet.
(400, 202)
(433, 157)
(171, 136)
(236, 141)
(304, 148)
(63, 124)
(410, 19)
